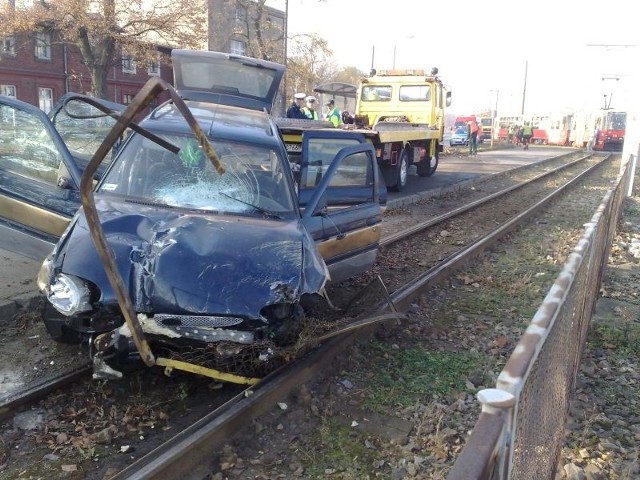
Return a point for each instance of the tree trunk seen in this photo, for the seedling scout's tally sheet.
(99, 81)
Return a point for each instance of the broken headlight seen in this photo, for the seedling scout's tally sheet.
(69, 295)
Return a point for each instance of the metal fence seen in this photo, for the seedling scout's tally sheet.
(521, 429)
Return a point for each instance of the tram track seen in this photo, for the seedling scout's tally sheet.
(170, 460)
(176, 458)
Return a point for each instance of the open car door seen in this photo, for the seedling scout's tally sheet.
(340, 192)
(39, 177)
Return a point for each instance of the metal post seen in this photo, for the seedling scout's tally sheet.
(285, 95)
(495, 116)
(524, 90)
(373, 54)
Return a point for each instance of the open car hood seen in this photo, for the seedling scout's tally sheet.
(227, 79)
(172, 262)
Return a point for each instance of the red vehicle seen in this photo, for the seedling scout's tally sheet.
(609, 131)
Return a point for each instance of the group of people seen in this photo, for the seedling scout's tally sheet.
(521, 134)
(306, 107)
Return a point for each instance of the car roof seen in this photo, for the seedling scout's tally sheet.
(218, 121)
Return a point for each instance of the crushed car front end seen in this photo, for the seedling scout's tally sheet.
(211, 262)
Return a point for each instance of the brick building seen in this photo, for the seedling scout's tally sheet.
(39, 69)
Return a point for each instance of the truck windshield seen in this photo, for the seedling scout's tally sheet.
(254, 181)
(413, 93)
(376, 93)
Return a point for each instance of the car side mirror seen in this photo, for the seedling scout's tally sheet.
(322, 209)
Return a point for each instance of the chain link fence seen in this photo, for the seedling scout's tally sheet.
(521, 429)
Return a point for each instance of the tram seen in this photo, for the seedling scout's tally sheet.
(609, 128)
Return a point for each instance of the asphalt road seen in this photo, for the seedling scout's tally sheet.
(18, 274)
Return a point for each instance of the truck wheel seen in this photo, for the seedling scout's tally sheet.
(426, 168)
(402, 172)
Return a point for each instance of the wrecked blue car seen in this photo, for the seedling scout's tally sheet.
(216, 261)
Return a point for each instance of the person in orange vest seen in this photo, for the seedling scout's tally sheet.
(473, 137)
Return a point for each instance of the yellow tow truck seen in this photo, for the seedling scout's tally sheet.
(401, 112)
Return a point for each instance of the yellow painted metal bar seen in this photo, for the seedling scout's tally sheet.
(204, 371)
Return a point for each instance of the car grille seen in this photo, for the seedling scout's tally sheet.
(167, 320)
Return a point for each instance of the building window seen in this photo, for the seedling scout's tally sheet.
(241, 13)
(237, 47)
(128, 64)
(8, 46)
(154, 68)
(45, 99)
(8, 90)
(127, 98)
(43, 46)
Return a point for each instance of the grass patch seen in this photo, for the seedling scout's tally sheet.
(623, 340)
(402, 377)
(343, 452)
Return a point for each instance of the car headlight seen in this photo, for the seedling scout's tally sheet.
(69, 295)
(44, 275)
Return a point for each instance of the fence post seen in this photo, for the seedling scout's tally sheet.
(502, 402)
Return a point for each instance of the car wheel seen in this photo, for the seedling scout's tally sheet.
(426, 168)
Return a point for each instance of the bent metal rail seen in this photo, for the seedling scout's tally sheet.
(511, 438)
(177, 457)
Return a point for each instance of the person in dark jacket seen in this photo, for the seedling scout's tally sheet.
(295, 109)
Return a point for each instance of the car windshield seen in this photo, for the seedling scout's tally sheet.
(461, 130)
(254, 182)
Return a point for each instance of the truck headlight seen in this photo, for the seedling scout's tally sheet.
(69, 295)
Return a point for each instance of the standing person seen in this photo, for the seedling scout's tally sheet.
(333, 115)
(310, 108)
(473, 137)
(512, 131)
(295, 109)
(527, 133)
(517, 135)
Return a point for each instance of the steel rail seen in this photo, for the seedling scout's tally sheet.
(179, 456)
(9, 405)
(402, 234)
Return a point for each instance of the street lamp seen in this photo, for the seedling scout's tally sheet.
(408, 37)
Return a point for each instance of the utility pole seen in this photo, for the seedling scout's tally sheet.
(495, 117)
(524, 90)
(285, 97)
(373, 55)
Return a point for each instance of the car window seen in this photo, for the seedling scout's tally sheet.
(26, 148)
(82, 127)
(354, 171)
(254, 178)
(461, 130)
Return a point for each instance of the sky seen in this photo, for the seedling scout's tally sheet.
(563, 55)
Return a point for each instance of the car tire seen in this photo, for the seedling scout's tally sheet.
(429, 167)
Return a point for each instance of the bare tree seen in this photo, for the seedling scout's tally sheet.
(105, 30)
(310, 64)
(349, 75)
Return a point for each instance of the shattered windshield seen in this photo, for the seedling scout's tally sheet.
(254, 182)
